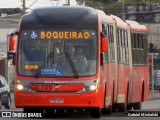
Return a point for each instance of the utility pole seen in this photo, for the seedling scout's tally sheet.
(123, 14)
(152, 72)
(7, 73)
(68, 2)
(24, 6)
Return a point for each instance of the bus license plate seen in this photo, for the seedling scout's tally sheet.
(57, 100)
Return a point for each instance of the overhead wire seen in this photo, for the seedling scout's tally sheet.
(31, 4)
(51, 2)
(57, 2)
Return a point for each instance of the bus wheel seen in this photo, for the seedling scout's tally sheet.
(28, 110)
(32, 109)
(137, 106)
(95, 113)
(8, 103)
(114, 108)
(60, 112)
(107, 111)
(121, 107)
(49, 113)
(129, 106)
(0, 102)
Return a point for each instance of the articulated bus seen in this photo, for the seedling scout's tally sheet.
(79, 58)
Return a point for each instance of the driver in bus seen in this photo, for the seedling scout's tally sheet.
(78, 59)
(81, 61)
(71, 52)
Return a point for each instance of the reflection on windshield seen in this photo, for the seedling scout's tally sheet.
(35, 52)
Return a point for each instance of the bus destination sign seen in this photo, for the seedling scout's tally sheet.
(64, 35)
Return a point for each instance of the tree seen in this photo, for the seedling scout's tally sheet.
(17, 10)
(108, 1)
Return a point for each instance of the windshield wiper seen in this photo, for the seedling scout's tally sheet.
(50, 56)
(72, 65)
(43, 64)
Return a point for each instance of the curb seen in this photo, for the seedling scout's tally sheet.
(155, 98)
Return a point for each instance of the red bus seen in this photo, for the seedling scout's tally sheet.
(79, 58)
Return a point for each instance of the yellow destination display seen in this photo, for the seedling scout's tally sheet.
(31, 67)
(64, 35)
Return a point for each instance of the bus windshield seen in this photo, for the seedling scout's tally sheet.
(57, 52)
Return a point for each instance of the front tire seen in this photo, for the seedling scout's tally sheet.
(107, 111)
(50, 113)
(121, 107)
(0, 102)
(137, 106)
(28, 110)
(32, 109)
(129, 106)
(95, 113)
(60, 112)
(8, 103)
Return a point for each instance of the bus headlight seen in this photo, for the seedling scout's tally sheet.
(92, 87)
(20, 87)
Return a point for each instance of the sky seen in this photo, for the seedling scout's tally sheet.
(38, 3)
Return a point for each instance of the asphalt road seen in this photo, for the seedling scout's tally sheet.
(147, 107)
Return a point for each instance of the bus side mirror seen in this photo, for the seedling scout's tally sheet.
(104, 44)
(11, 46)
(12, 41)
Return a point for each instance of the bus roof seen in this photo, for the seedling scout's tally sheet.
(62, 16)
(104, 17)
(136, 27)
(120, 23)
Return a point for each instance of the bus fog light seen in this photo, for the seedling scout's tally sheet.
(20, 87)
(92, 87)
(87, 88)
(26, 88)
(18, 81)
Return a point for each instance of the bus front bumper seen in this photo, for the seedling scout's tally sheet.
(89, 99)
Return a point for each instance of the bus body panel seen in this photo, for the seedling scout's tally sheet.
(112, 78)
(122, 83)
